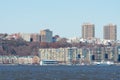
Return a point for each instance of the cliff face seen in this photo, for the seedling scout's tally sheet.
(18, 47)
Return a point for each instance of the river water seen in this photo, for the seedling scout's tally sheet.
(34, 72)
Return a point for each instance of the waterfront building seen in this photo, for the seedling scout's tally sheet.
(88, 30)
(63, 55)
(46, 35)
(1, 62)
(25, 60)
(108, 53)
(73, 55)
(8, 59)
(117, 55)
(110, 32)
(80, 55)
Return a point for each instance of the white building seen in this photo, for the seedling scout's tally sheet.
(63, 55)
(74, 40)
(25, 36)
(25, 60)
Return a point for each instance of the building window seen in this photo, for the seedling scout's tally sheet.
(31, 39)
(93, 57)
(106, 56)
(79, 56)
(119, 57)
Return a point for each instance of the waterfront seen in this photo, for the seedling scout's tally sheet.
(36, 72)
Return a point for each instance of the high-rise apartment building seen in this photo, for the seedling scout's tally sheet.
(110, 32)
(46, 35)
(88, 30)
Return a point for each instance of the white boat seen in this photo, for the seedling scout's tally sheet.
(103, 63)
(48, 62)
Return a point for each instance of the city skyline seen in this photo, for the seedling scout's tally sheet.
(64, 18)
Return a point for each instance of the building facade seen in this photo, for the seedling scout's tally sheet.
(34, 37)
(110, 32)
(81, 55)
(63, 55)
(25, 36)
(30, 37)
(46, 35)
(88, 30)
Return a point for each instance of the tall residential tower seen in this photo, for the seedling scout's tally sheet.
(88, 30)
(110, 32)
(46, 35)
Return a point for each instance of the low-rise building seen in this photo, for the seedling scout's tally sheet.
(63, 55)
(25, 60)
(81, 55)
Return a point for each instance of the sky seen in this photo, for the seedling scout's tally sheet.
(63, 17)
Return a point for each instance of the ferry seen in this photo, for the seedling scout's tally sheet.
(48, 62)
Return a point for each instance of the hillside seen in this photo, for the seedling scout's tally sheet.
(18, 47)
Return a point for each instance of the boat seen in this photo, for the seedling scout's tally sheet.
(48, 62)
(104, 63)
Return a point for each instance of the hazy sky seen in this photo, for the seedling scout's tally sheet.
(63, 17)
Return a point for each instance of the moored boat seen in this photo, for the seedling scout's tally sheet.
(103, 63)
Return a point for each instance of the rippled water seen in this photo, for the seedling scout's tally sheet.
(59, 72)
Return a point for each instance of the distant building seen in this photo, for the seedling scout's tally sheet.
(34, 37)
(25, 36)
(54, 38)
(110, 32)
(73, 40)
(2, 36)
(30, 37)
(88, 30)
(13, 36)
(46, 35)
